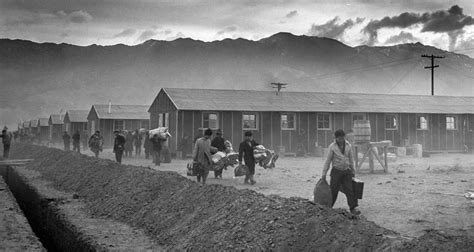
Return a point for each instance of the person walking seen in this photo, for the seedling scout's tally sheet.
(95, 143)
(137, 140)
(246, 153)
(67, 141)
(342, 160)
(128, 144)
(148, 145)
(157, 147)
(6, 140)
(219, 142)
(119, 146)
(76, 141)
(202, 155)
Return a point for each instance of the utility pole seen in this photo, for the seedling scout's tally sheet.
(278, 86)
(432, 67)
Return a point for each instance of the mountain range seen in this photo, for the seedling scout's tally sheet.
(38, 79)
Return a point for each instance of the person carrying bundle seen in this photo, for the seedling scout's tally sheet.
(246, 153)
(219, 143)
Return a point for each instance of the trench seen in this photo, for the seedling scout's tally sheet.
(59, 221)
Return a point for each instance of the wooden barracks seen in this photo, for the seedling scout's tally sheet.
(281, 121)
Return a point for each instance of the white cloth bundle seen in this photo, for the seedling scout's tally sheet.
(218, 157)
(162, 132)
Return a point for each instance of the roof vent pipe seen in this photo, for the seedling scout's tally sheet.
(110, 105)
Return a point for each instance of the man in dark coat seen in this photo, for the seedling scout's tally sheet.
(67, 141)
(119, 146)
(6, 140)
(218, 142)
(76, 141)
(147, 145)
(156, 143)
(137, 140)
(246, 150)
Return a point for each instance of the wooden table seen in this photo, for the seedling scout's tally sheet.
(371, 154)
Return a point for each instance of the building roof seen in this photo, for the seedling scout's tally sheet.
(34, 123)
(246, 100)
(56, 119)
(131, 112)
(42, 122)
(77, 115)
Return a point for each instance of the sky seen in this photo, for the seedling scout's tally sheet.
(446, 24)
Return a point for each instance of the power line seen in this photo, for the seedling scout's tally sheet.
(432, 67)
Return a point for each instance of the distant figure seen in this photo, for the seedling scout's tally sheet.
(137, 141)
(157, 147)
(15, 136)
(218, 142)
(183, 146)
(6, 140)
(95, 143)
(128, 144)
(119, 146)
(148, 145)
(246, 153)
(67, 141)
(76, 141)
(202, 155)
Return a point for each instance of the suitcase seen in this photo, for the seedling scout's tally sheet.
(357, 187)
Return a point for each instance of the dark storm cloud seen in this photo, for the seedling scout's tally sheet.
(125, 33)
(402, 37)
(292, 14)
(331, 29)
(450, 21)
(227, 29)
(79, 16)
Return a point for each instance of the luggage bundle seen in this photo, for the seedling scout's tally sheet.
(264, 157)
(220, 160)
(241, 170)
(192, 168)
(162, 132)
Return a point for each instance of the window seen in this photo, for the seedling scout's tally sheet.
(391, 122)
(249, 121)
(144, 124)
(358, 116)
(210, 120)
(324, 121)
(163, 119)
(118, 125)
(288, 121)
(451, 123)
(421, 122)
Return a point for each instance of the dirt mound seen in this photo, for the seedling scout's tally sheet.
(181, 214)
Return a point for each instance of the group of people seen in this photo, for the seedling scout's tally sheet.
(204, 148)
(124, 141)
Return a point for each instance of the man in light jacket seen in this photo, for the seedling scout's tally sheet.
(342, 172)
(202, 155)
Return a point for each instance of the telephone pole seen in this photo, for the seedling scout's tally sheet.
(278, 86)
(432, 67)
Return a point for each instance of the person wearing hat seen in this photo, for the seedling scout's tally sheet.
(219, 142)
(6, 140)
(246, 153)
(119, 144)
(340, 155)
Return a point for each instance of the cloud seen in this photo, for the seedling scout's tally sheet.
(147, 34)
(59, 16)
(451, 22)
(465, 46)
(402, 37)
(125, 33)
(227, 29)
(292, 14)
(331, 29)
(79, 17)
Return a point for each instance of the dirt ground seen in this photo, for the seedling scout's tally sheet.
(180, 214)
(416, 194)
